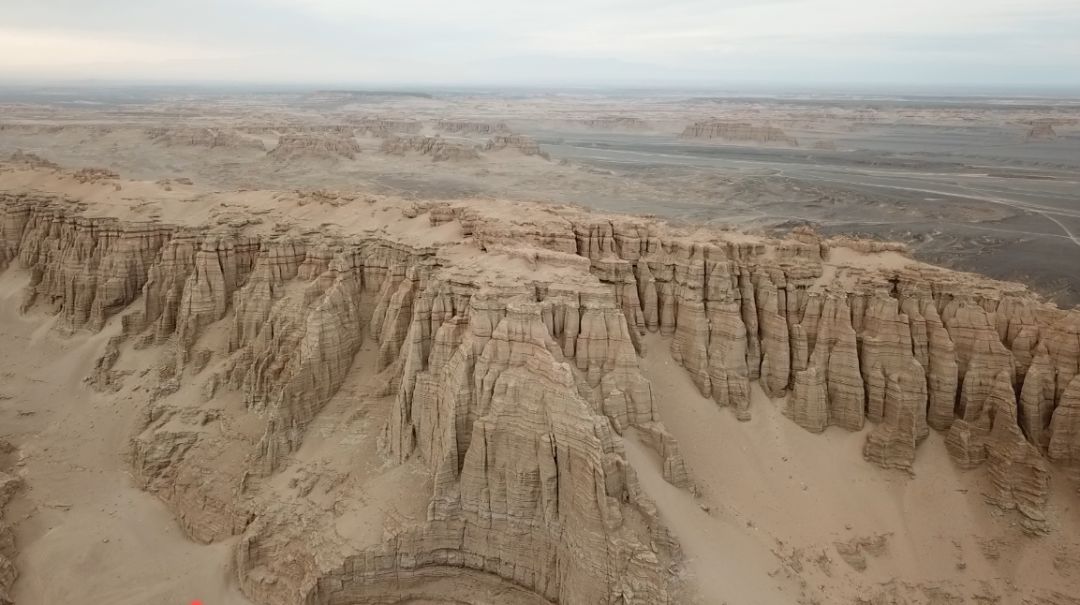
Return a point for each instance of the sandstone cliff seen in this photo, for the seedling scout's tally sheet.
(495, 366)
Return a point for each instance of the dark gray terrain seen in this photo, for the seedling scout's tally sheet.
(988, 184)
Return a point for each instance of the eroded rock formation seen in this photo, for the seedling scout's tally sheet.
(438, 148)
(384, 126)
(740, 132)
(472, 127)
(630, 123)
(500, 371)
(1020, 474)
(525, 145)
(317, 145)
(891, 444)
(212, 138)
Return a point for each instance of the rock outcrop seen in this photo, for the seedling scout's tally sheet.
(1018, 471)
(627, 123)
(211, 138)
(1064, 444)
(315, 145)
(738, 132)
(438, 148)
(472, 127)
(523, 144)
(892, 442)
(1037, 398)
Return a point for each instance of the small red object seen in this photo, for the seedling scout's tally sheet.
(196, 602)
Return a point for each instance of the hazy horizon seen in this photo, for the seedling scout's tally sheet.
(1003, 44)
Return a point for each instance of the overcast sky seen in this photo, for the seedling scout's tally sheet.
(544, 42)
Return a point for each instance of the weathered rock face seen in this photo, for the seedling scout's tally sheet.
(1020, 474)
(84, 269)
(513, 398)
(848, 340)
(211, 138)
(892, 442)
(1064, 443)
(524, 144)
(836, 351)
(738, 132)
(472, 127)
(629, 123)
(469, 417)
(438, 148)
(507, 381)
(315, 145)
(9, 485)
(1037, 400)
(886, 350)
(934, 349)
(967, 437)
(775, 343)
(385, 126)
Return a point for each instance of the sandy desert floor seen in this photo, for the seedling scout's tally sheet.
(86, 532)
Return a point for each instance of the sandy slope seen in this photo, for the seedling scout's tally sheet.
(86, 534)
(797, 494)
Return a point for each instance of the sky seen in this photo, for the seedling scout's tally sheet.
(945, 43)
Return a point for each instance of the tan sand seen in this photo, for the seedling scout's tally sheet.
(798, 494)
(86, 533)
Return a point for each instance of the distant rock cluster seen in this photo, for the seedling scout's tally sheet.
(210, 138)
(318, 145)
(1041, 130)
(630, 123)
(522, 143)
(438, 148)
(471, 127)
(725, 130)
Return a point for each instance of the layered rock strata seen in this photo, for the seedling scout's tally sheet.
(484, 374)
(504, 370)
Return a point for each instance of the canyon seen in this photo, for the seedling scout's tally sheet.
(354, 397)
